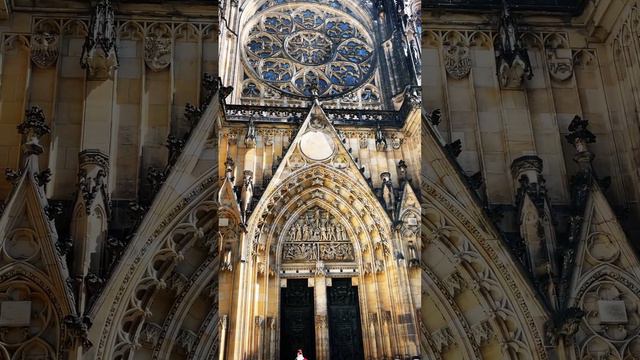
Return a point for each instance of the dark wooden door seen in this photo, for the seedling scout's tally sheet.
(345, 333)
(297, 324)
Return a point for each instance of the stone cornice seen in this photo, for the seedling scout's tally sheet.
(597, 20)
(175, 9)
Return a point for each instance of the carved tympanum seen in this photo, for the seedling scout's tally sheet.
(316, 235)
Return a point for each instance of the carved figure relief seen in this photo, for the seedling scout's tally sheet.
(317, 236)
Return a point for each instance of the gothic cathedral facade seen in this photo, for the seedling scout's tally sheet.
(320, 134)
(352, 179)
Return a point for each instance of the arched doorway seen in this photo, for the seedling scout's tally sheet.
(300, 318)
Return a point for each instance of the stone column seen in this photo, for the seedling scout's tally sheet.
(321, 311)
(259, 347)
(223, 336)
(89, 226)
(536, 229)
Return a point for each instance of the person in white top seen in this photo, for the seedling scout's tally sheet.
(300, 356)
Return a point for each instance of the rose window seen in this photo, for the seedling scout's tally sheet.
(298, 50)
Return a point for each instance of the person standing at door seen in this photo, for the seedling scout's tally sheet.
(300, 356)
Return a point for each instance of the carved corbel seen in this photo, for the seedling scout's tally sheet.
(78, 331)
(33, 128)
(565, 324)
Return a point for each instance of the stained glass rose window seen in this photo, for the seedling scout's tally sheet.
(295, 49)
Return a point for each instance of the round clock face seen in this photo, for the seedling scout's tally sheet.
(297, 49)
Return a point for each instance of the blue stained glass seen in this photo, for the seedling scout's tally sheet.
(255, 46)
(299, 46)
(270, 75)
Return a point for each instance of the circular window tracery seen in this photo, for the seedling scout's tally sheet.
(297, 50)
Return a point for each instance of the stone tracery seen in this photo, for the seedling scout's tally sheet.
(292, 48)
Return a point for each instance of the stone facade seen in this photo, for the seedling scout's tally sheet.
(529, 180)
(194, 180)
(321, 177)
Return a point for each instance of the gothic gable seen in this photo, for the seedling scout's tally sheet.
(473, 291)
(604, 284)
(34, 279)
(168, 274)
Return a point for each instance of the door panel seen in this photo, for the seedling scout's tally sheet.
(297, 321)
(345, 333)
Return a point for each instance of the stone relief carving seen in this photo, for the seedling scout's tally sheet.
(317, 236)
(44, 49)
(559, 64)
(157, 52)
(150, 333)
(457, 61)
